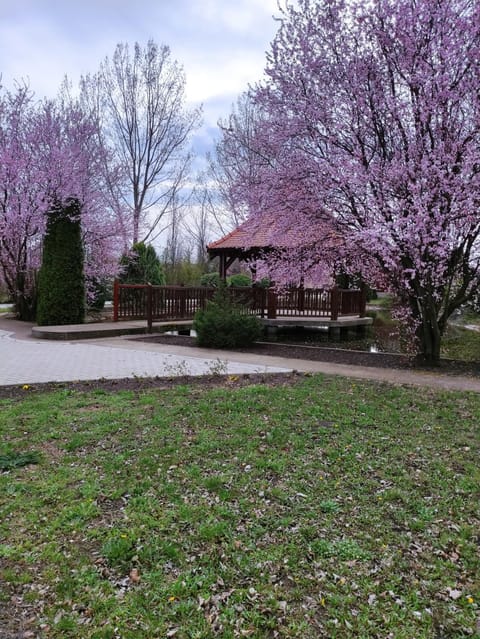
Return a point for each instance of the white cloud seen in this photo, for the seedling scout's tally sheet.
(235, 17)
(221, 44)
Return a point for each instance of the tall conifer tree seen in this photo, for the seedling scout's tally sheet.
(61, 284)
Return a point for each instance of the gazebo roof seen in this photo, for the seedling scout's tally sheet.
(253, 237)
(259, 236)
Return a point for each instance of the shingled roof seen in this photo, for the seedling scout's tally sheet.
(253, 237)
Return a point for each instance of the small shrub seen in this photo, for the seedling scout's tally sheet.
(5, 297)
(211, 279)
(223, 324)
(239, 279)
(265, 282)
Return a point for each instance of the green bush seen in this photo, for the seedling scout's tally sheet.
(239, 279)
(142, 266)
(61, 284)
(236, 280)
(5, 298)
(211, 279)
(223, 324)
(265, 282)
(182, 273)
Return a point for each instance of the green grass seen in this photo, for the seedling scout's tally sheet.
(461, 343)
(322, 508)
(14, 459)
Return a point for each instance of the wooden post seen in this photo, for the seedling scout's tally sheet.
(301, 297)
(335, 296)
(183, 294)
(149, 308)
(271, 304)
(363, 299)
(262, 296)
(223, 267)
(115, 300)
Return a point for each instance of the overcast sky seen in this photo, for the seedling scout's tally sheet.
(221, 43)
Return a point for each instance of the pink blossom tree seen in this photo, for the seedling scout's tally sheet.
(22, 207)
(371, 119)
(48, 155)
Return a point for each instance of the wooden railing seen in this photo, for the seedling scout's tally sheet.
(157, 303)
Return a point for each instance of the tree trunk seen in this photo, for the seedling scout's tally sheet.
(136, 225)
(25, 308)
(430, 337)
(25, 302)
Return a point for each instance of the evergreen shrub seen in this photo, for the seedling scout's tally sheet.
(211, 279)
(61, 283)
(239, 280)
(223, 324)
(142, 266)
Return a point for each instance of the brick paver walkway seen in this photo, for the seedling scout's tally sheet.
(24, 360)
(29, 361)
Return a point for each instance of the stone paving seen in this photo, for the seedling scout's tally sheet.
(29, 361)
(26, 360)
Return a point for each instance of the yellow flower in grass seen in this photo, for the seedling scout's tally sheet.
(25, 387)
(470, 599)
(172, 598)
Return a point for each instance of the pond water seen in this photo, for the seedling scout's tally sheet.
(381, 337)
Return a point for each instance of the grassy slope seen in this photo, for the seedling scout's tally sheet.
(325, 508)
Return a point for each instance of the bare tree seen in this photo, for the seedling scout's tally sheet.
(140, 98)
(174, 246)
(198, 224)
(236, 160)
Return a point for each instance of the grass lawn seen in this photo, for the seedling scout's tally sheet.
(322, 508)
(461, 343)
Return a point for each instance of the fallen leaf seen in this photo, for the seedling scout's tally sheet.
(134, 575)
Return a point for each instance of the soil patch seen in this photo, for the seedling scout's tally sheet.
(139, 384)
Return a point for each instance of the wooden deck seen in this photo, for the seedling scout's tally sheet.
(169, 303)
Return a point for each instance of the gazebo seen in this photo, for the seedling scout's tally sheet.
(332, 309)
(257, 239)
(248, 242)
